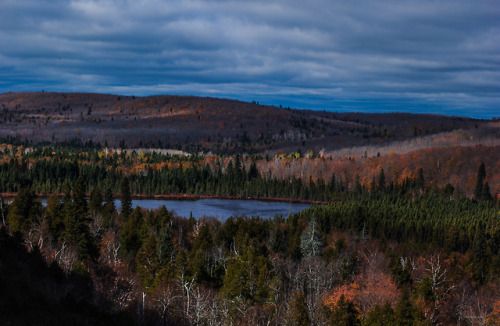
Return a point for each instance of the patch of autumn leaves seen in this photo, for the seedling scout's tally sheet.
(366, 290)
(347, 292)
(494, 317)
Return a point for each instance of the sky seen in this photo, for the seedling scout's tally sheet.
(439, 56)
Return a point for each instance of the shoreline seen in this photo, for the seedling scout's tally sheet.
(11, 195)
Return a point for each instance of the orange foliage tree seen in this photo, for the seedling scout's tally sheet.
(366, 291)
(494, 316)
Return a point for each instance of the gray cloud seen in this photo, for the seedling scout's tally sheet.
(367, 55)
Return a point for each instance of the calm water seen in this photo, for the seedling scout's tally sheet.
(221, 209)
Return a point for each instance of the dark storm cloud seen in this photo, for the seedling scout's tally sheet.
(434, 56)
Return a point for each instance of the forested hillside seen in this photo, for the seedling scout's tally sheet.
(391, 251)
(197, 124)
(406, 256)
(47, 168)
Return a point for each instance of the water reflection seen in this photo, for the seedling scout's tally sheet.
(221, 209)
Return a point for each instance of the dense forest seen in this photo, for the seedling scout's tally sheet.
(46, 169)
(410, 252)
(48, 172)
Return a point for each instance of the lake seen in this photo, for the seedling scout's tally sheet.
(221, 209)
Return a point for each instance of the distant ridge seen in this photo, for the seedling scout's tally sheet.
(205, 124)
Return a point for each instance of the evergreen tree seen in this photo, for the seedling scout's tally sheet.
(253, 173)
(407, 314)
(133, 233)
(380, 316)
(344, 313)
(333, 183)
(125, 199)
(80, 207)
(165, 246)
(198, 259)
(486, 193)
(279, 241)
(147, 261)
(479, 264)
(23, 211)
(53, 214)
(294, 245)
(420, 182)
(95, 201)
(481, 175)
(67, 201)
(381, 180)
(76, 229)
(109, 209)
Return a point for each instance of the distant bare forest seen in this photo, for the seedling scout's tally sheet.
(196, 124)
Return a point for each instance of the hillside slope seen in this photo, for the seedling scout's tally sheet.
(205, 124)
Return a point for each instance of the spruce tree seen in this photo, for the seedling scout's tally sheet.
(53, 215)
(481, 175)
(381, 180)
(486, 193)
(95, 200)
(253, 173)
(125, 199)
(76, 229)
(420, 183)
(79, 200)
(345, 313)
(23, 211)
(108, 210)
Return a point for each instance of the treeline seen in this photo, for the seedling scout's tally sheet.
(323, 266)
(46, 170)
(232, 179)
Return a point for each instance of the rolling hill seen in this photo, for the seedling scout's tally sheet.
(209, 124)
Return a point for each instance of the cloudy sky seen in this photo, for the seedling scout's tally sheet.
(413, 56)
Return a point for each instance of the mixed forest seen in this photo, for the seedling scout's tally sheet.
(387, 252)
(403, 228)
